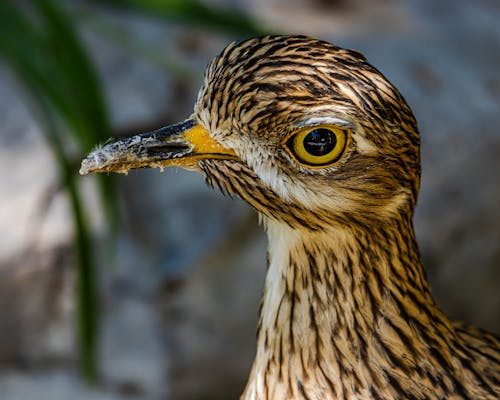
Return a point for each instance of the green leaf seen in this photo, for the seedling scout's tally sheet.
(196, 13)
(43, 50)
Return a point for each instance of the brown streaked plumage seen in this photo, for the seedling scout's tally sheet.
(347, 312)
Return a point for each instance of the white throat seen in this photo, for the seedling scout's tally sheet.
(281, 238)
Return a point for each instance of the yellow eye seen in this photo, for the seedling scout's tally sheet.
(318, 146)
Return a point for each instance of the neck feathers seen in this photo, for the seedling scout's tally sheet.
(349, 314)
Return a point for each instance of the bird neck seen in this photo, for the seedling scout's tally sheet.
(332, 301)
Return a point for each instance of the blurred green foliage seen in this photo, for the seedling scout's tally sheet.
(193, 12)
(40, 44)
(43, 50)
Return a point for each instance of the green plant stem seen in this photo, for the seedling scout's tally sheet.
(87, 309)
(86, 282)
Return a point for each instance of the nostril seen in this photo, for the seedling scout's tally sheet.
(169, 148)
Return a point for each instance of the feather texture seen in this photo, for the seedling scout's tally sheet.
(347, 312)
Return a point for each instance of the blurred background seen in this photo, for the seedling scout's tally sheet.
(146, 286)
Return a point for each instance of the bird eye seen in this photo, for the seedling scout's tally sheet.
(318, 146)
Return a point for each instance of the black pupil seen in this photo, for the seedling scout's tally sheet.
(320, 141)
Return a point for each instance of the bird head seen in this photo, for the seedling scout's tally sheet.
(308, 133)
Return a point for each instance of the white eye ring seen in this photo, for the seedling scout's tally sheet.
(314, 121)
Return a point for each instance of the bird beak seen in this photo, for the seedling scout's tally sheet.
(179, 145)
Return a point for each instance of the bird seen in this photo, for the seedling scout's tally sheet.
(327, 151)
